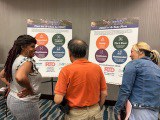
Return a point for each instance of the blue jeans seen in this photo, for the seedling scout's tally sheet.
(23, 110)
(143, 114)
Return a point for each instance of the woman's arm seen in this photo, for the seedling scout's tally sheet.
(128, 80)
(22, 79)
(2, 77)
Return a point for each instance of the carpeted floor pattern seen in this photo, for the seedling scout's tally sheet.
(49, 111)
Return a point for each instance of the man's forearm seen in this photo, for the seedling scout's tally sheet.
(58, 98)
(103, 98)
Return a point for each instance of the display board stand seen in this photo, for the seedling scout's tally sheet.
(51, 81)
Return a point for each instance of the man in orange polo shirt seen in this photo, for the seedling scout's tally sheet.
(82, 83)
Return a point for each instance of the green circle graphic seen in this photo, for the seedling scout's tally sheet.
(58, 40)
(120, 42)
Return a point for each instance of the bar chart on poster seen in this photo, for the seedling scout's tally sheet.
(110, 45)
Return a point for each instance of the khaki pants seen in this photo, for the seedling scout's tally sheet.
(87, 113)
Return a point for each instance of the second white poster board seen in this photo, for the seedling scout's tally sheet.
(110, 46)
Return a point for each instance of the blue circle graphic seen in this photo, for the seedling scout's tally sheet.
(119, 56)
(58, 52)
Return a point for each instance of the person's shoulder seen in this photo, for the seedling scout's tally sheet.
(23, 58)
(93, 64)
(139, 63)
(143, 62)
(68, 66)
(134, 62)
(130, 66)
(131, 62)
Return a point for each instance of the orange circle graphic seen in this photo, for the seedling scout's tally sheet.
(42, 39)
(102, 42)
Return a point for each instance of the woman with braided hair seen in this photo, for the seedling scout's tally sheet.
(21, 74)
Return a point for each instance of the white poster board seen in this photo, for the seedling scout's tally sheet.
(110, 46)
(51, 50)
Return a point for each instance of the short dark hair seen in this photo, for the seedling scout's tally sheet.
(78, 48)
(21, 41)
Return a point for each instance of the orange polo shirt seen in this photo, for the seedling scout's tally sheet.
(81, 82)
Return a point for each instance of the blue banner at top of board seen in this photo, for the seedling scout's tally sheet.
(55, 24)
(115, 24)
